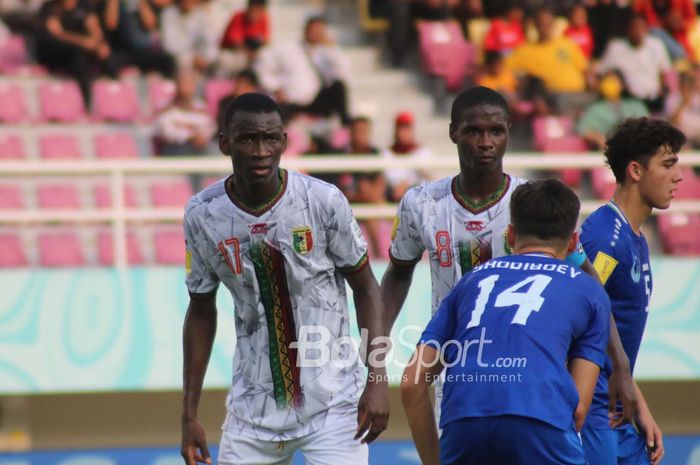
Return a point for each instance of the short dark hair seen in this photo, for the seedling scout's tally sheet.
(360, 119)
(312, 20)
(547, 210)
(250, 75)
(252, 102)
(638, 139)
(476, 96)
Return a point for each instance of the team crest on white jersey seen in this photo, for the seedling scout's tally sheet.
(303, 239)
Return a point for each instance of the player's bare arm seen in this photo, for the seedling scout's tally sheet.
(395, 285)
(648, 428)
(585, 375)
(373, 408)
(198, 337)
(418, 375)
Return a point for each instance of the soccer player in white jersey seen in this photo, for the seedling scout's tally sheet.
(462, 221)
(283, 244)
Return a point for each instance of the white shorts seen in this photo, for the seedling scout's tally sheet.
(334, 444)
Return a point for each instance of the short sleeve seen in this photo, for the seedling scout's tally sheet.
(200, 278)
(406, 243)
(346, 246)
(577, 257)
(599, 252)
(592, 344)
(441, 327)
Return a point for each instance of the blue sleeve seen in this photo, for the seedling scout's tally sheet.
(441, 327)
(592, 343)
(577, 257)
(599, 245)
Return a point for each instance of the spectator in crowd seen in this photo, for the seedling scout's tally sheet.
(612, 107)
(506, 31)
(20, 16)
(606, 18)
(70, 39)
(185, 35)
(677, 30)
(307, 76)
(247, 31)
(643, 61)
(245, 82)
(399, 180)
(579, 31)
(497, 76)
(185, 127)
(557, 61)
(130, 32)
(683, 107)
(655, 10)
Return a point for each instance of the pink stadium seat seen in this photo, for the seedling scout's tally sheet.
(105, 249)
(116, 145)
(297, 143)
(445, 53)
(14, 105)
(679, 233)
(59, 146)
(11, 250)
(603, 183)
(160, 94)
(555, 134)
(174, 193)
(11, 197)
(60, 248)
(689, 188)
(13, 55)
(169, 246)
(58, 196)
(385, 228)
(61, 101)
(103, 196)
(11, 147)
(214, 90)
(115, 101)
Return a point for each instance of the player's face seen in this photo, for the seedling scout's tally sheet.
(255, 142)
(481, 136)
(659, 180)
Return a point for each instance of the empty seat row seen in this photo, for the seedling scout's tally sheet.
(107, 145)
(64, 248)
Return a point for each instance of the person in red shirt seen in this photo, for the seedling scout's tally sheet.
(506, 31)
(248, 28)
(579, 31)
(670, 21)
(655, 10)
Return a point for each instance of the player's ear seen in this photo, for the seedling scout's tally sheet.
(453, 133)
(510, 236)
(224, 145)
(634, 171)
(573, 243)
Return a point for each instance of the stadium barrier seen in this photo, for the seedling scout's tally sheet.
(117, 170)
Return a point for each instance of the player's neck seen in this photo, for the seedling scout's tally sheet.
(256, 195)
(632, 205)
(478, 186)
(540, 250)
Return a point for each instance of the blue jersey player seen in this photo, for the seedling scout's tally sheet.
(643, 156)
(522, 339)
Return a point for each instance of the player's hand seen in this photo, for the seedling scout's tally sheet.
(651, 433)
(194, 443)
(621, 388)
(372, 411)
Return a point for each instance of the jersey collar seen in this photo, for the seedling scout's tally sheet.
(478, 207)
(258, 210)
(617, 210)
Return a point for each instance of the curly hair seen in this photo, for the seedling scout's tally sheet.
(638, 139)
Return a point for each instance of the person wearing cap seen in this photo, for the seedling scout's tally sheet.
(399, 180)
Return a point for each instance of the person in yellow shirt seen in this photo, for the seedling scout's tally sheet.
(495, 75)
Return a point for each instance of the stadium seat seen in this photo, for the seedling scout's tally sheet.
(215, 90)
(105, 249)
(13, 55)
(173, 193)
(116, 145)
(478, 28)
(12, 250)
(297, 143)
(60, 248)
(14, 106)
(555, 134)
(385, 228)
(679, 233)
(689, 188)
(103, 196)
(445, 53)
(603, 183)
(160, 94)
(169, 246)
(11, 147)
(58, 196)
(11, 197)
(115, 101)
(61, 102)
(59, 146)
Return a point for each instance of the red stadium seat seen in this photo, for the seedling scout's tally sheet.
(115, 101)
(160, 93)
(679, 233)
(58, 196)
(689, 188)
(14, 105)
(103, 196)
(12, 250)
(555, 134)
(603, 183)
(61, 101)
(169, 246)
(11, 197)
(105, 249)
(445, 53)
(174, 193)
(116, 145)
(59, 146)
(215, 90)
(11, 147)
(60, 248)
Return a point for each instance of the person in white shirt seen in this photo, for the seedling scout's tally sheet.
(307, 76)
(186, 34)
(682, 108)
(643, 61)
(399, 180)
